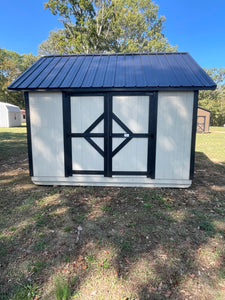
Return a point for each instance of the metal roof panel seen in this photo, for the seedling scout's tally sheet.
(129, 72)
(90, 74)
(72, 67)
(51, 71)
(110, 72)
(139, 74)
(47, 70)
(38, 71)
(83, 71)
(101, 71)
(115, 70)
(58, 72)
(120, 72)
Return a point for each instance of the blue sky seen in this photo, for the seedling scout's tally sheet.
(195, 26)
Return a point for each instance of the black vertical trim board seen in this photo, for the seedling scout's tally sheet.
(67, 134)
(152, 131)
(193, 137)
(107, 135)
(110, 135)
(29, 143)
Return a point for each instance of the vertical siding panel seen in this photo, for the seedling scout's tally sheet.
(174, 129)
(47, 134)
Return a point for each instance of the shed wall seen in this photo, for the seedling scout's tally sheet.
(203, 120)
(47, 134)
(4, 117)
(14, 118)
(9, 115)
(174, 130)
(173, 148)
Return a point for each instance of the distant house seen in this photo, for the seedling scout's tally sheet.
(203, 120)
(10, 115)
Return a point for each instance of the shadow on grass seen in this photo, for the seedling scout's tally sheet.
(138, 243)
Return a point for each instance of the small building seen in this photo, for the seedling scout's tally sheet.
(10, 115)
(203, 120)
(113, 119)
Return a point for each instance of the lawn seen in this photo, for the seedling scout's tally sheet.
(112, 243)
(213, 144)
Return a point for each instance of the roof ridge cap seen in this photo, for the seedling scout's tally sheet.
(115, 54)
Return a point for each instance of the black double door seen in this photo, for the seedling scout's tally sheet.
(110, 134)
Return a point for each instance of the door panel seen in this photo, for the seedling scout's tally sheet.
(84, 111)
(132, 111)
(132, 157)
(99, 128)
(117, 128)
(116, 142)
(131, 117)
(87, 122)
(85, 157)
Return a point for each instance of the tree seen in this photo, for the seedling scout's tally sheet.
(12, 64)
(215, 100)
(106, 26)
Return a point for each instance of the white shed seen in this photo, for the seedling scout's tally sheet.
(113, 119)
(10, 115)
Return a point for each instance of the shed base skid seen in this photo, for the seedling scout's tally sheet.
(138, 181)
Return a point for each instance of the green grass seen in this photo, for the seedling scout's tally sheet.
(212, 144)
(62, 289)
(13, 142)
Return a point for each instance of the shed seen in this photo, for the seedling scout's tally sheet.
(10, 115)
(203, 120)
(113, 119)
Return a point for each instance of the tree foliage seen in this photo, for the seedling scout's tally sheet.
(12, 64)
(215, 100)
(106, 26)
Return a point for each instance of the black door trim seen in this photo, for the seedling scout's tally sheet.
(152, 131)
(108, 116)
(193, 135)
(67, 134)
(29, 139)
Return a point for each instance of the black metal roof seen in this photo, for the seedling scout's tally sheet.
(120, 71)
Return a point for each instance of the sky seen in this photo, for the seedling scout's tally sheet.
(195, 26)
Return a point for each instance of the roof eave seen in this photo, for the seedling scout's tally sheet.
(116, 89)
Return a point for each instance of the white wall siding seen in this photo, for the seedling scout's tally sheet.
(4, 116)
(174, 131)
(14, 119)
(47, 133)
(9, 115)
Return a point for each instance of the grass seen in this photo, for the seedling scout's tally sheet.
(62, 289)
(135, 243)
(13, 143)
(212, 144)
